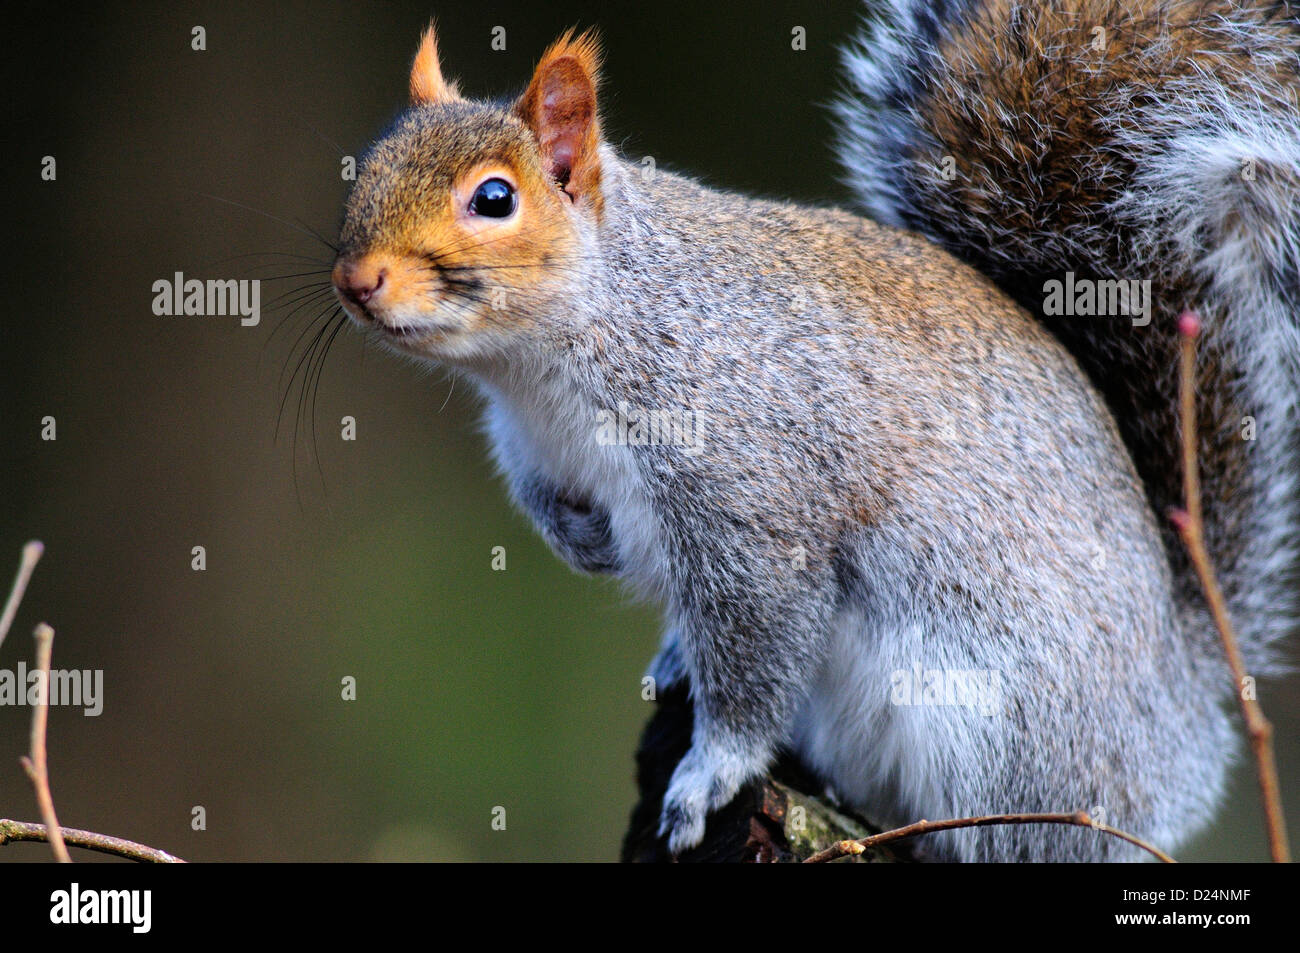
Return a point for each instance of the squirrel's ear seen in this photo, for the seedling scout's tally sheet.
(427, 85)
(560, 108)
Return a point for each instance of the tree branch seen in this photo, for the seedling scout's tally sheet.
(35, 765)
(847, 848)
(31, 556)
(1191, 527)
(14, 832)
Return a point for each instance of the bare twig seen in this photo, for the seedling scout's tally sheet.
(846, 848)
(35, 765)
(31, 556)
(13, 832)
(1191, 527)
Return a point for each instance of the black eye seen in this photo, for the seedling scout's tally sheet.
(495, 198)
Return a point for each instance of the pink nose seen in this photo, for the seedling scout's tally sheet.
(359, 281)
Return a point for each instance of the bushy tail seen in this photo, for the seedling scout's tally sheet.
(1074, 150)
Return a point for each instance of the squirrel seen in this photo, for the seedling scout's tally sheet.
(856, 455)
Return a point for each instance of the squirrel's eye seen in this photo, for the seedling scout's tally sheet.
(495, 198)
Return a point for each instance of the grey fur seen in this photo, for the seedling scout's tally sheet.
(900, 471)
(1020, 542)
(578, 533)
(1168, 152)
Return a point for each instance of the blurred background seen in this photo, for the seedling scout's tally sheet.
(328, 558)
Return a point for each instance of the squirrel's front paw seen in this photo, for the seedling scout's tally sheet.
(581, 535)
(704, 781)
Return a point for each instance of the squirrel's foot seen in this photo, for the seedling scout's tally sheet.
(705, 780)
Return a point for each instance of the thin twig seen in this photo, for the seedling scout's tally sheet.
(35, 765)
(846, 848)
(1191, 527)
(14, 832)
(31, 556)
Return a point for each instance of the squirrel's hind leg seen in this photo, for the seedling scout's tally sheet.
(752, 635)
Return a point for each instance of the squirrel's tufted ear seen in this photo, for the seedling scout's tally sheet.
(560, 108)
(427, 85)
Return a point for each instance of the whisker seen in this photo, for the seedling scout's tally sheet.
(299, 226)
(466, 295)
(312, 301)
(309, 259)
(289, 296)
(322, 315)
(316, 132)
(468, 243)
(312, 447)
(451, 390)
(316, 272)
(338, 324)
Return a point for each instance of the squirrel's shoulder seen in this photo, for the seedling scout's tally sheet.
(876, 275)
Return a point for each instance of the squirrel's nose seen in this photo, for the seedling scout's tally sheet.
(359, 281)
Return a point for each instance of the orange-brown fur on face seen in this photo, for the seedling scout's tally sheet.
(451, 272)
(455, 281)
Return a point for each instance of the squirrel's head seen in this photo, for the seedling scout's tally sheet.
(468, 221)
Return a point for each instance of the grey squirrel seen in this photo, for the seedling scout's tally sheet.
(903, 520)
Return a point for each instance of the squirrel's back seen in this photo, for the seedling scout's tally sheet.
(1087, 147)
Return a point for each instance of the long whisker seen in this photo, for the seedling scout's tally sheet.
(297, 226)
(307, 299)
(311, 259)
(316, 300)
(338, 324)
(316, 132)
(464, 288)
(292, 295)
(318, 273)
(323, 316)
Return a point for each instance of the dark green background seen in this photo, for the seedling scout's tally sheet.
(371, 558)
